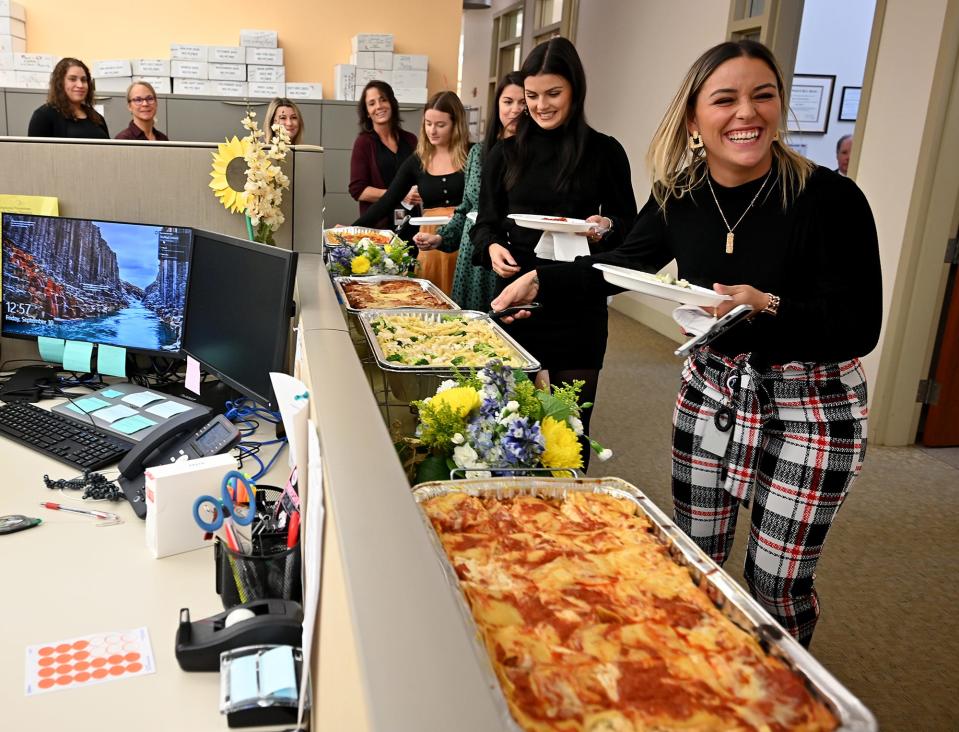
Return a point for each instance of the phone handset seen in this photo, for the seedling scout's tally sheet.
(134, 463)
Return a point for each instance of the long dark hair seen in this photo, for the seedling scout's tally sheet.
(57, 96)
(494, 127)
(555, 56)
(366, 124)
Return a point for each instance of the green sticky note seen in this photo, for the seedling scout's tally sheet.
(110, 393)
(129, 425)
(76, 356)
(111, 360)
(51, 349)
(90, 404)
(75, 408)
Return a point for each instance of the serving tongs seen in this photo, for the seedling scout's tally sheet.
(512, 310)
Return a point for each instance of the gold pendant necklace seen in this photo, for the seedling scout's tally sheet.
(730, 236)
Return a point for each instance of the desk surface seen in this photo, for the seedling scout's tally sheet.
(68, 577)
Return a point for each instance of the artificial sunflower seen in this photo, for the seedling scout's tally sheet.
(229, 174)
(562, 446)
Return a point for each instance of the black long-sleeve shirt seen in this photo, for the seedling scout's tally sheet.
(435, 190)
(820, 256)
(49, 122)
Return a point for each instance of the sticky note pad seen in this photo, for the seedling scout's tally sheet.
(90, 404)
(192, 381)
(51, 349)
(117, 411)
(76, 356)
(110, 393)
(277, 673)
(167, 409)
(142, 398)
(129, 425)
(111, 360)
(243, 679)
(75, 408)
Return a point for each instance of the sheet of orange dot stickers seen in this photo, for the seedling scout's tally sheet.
(89, 659)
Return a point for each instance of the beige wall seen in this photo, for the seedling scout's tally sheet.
(314, 35)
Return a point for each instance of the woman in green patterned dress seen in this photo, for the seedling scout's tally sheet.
(473, 286)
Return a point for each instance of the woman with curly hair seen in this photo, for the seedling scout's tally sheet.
(69, 109)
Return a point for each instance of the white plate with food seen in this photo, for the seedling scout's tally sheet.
(429, 220)
(663, 285)
(562, 224)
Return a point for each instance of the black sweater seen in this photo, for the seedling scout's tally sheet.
(48, 122)
(435, 190)
(820, 255)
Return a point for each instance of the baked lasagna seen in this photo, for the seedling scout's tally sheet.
(447, 341)
(590, 625)
(398, 293)
(347, 237)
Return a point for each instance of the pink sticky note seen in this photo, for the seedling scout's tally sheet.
(193, 374)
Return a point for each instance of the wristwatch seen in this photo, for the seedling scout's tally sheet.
(772, 307)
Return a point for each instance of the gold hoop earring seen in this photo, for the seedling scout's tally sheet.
(695, 141)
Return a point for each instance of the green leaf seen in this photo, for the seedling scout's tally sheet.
(395, 357)
(432, 468)
(553, 407)
(458, 360)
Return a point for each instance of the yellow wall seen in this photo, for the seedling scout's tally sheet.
(314, 35)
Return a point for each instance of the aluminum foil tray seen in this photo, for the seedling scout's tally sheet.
(428, 286)
(731, 599)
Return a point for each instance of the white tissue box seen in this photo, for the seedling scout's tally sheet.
(227, 72)
(187, 52)
(267, 89)
(264, 56)
(191, 86)
(34, 61)
(189, 69)
(267, 74)
(259, 38)
(372, 42)
(151, 67)
(304, 90)
(226, 54)
(410, 62)
(112, 69)
(228, 88)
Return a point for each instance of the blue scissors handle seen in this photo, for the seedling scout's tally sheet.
(206, 504)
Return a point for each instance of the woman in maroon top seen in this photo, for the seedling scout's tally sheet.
(142, 101)
(380, 148)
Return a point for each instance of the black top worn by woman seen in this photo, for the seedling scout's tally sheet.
(601, 184)
(49, 122)
(435, 190)
(820, 255)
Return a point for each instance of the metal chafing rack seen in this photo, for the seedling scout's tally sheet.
(734, 602)
(426, 285)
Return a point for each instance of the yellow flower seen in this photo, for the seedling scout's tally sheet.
(461, 399)
(360, 265)
(562, 446)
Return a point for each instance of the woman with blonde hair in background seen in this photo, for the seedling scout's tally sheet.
(142, 102)
(283, 111)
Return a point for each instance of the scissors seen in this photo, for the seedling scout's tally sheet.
(225, 509)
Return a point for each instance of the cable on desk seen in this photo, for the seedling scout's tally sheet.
(250, 450)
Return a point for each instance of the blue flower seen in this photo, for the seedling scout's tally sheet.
(522, 443)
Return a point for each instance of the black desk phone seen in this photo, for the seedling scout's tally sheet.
(183, 437)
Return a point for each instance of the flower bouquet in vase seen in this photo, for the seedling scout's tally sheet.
(366, 257)
(496, 422)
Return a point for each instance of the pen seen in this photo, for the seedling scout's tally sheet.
(98, 514)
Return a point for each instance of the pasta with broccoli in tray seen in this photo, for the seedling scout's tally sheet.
(446, 341)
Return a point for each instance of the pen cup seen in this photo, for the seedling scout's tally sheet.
(273, 574)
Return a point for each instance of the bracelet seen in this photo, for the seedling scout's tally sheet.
(772, 307)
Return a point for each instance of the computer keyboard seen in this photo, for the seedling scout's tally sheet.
(84, 446)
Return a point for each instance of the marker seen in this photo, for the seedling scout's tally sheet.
(293, 531)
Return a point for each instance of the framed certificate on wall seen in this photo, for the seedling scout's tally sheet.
(849, 103)
(810, 101)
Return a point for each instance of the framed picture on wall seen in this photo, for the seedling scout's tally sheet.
(810, 102)
(849, 103)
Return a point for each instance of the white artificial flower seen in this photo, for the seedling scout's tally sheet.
(465, 457)
(575, 424)
(448, 384)
(512, 406)
(604, 454)
(457, 439)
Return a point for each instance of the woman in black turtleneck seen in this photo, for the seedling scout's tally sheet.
(555, 165)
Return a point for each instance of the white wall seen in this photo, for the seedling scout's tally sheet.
(833, 40)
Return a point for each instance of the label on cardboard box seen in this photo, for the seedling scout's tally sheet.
(13, 27)
(160, 84)
(227, 72)
(151, 67)
(266, 88)
(187, 52)
(410, 62)
(189, 69)
(304, 90)
(113, 83)
(383, 60)
(365, 76)
(266, 74)
(11, 9)
(226, 54)
(228, 88)
(410, 96)
(112, 69)
(32, 79)
(12, 44)
(372, 42)
(264, 56)
(191, 86)
(409, 79)
(259, 38)
(34, 62)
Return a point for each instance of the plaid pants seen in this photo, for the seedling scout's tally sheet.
(797, 442)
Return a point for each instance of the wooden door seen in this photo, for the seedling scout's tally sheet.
(942, 418)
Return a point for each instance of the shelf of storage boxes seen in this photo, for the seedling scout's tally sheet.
(17, 67)
(373, 58)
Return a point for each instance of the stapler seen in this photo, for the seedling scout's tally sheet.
(199, 644)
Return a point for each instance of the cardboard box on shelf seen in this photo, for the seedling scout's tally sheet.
(112, 69)
(32, 79)
(304, 90)
(383, 60)
(6, 60)
(151, 67)
(34, 61)
(10, 9)
(189, 69)
(114, 83)
(264, 56)
(13, 27)
(372, 42)
(266, 74)
(226, 72)
(160, 84)
(226, 54)
(187, 52)
(267, 89)
(8, 77)
(259, 38)
(363, 59)
(12, 44)
(191, 86)
(365, 76)
(410, 62)
(229, 88)
(409, 79)
(344, 81)
(410, 96)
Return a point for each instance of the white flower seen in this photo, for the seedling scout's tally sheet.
(478, 474)
(448, 384)
(458, 439)
(512, 406)
(465, 457)
(604, 454)
(575, 425)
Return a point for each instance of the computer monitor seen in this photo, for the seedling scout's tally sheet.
(97, 281)
(238, 311)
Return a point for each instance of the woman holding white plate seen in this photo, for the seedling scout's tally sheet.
(555, 166)
(774, 411)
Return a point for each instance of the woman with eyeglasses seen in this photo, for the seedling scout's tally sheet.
(142, 101)
(69, 110)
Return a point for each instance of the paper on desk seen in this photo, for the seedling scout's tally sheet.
(129, 425)
(117, 411)
(294, 401)
(142, 398)
(167, 409)
(561, 246)
(312, 547)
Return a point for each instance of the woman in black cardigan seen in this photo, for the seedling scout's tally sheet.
(69, 109)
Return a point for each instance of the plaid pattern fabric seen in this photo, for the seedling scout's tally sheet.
(798, 441)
